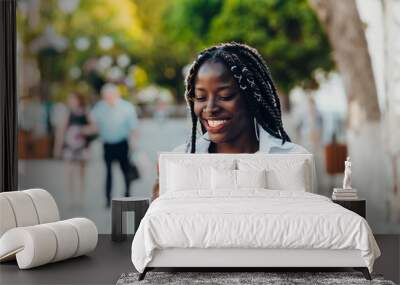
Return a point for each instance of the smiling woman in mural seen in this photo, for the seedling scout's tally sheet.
(234, 102)
(230, 92)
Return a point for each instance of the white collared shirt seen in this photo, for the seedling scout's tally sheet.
(268, 144)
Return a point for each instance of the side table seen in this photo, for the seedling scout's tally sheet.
(118, 218)
(358, 206)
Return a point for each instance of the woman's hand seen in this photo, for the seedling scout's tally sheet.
(156, 187)
(156, 191)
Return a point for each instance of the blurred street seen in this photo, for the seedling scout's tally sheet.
(73, 55)
(50, 174)
(155, 136)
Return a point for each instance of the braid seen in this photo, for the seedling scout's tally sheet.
(189, 93)
(265, 71)
(261, 72)
(261, 63)
(254, 80)
(194, 130)
(248, 86)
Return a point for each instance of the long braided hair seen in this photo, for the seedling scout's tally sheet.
(254, 80)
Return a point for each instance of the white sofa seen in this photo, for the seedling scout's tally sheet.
(31, 231)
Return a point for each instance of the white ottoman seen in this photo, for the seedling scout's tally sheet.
(31, 232)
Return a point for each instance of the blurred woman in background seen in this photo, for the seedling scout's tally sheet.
(71, 145)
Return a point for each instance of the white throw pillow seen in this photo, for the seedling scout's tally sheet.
(294, 180)
(223, 179)
(185, 175)
(282, 173)
(251, 178)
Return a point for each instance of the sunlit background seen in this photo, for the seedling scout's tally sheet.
(146, 46)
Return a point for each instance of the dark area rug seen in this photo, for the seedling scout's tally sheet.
(225, 278)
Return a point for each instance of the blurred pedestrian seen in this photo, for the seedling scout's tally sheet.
(310, 126)
(71, 145)
(160, 111)
(116, 122)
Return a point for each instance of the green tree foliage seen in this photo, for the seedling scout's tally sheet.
(162, 37)
(92, 20)
(160, 54)
(286, 33)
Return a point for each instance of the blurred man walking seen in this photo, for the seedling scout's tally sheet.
(116, 122)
